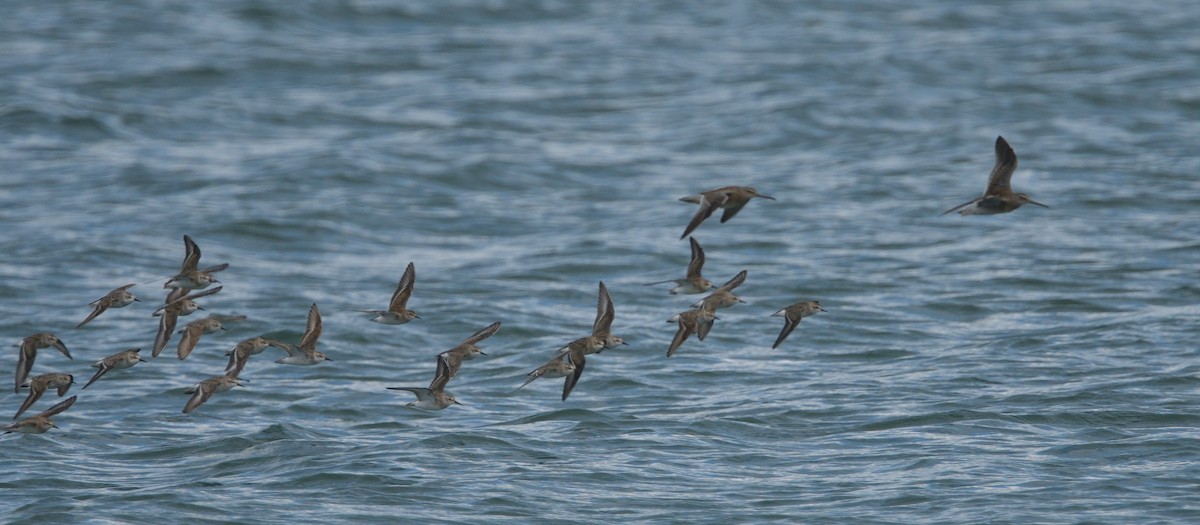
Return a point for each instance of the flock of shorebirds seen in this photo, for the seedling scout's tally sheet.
(193, 282)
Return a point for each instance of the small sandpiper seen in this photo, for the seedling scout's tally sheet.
(195, 329)
(557, 367)
(602, 337)
(40, 384)
(792, 315)
(695, 321)
(448, 362)
(120, 360)
(204, 390)
(246, 348)
(723, 297)
(190, 276)
(118, 298)
(179, 303)
(29, 347)
(435, 397)
(398, 312)
(305, 353)
(693, 282)
(40, 423)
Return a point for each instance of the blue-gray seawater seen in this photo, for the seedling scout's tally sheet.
(1034, 367)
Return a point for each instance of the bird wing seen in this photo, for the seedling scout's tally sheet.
(57, 409)
(604, 313)
(789, 324)
(702, 328)
(312, 331)
(681, 335)
(200, 394)
(735, 282)
(482, 334)
(579, 361)
(191, 255)
(708, 204)
(421, 393)
(999, 181)
(448, 364)
(36, 389)
(215, 269)
(25, 362)
(101, 306)
(697, 261)
(191, 336)
(404, 289)
(166, 326)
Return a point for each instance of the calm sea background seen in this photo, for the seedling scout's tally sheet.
(1034, 367)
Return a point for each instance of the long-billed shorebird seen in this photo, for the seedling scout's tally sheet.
(190, 275)
(398, 312)
(693, 282)
(305, 353)
(695, 321)
(204, 390)
(179, 303)
(999, 196)
(792, 315)
(120, 360)
(723, 297)
(41, 422)
(38, 385)
(29, 347)
(730, 198)
(118, 298)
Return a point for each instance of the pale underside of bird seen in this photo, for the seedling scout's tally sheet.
(398, 312)
(118, 298)
(38, 386)
(118, 361)
(41, 422)
(693, 282)
(999, 196)
(28, 354)
(729, 198)
(305, 353)
(190, 275)
(792, 315)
